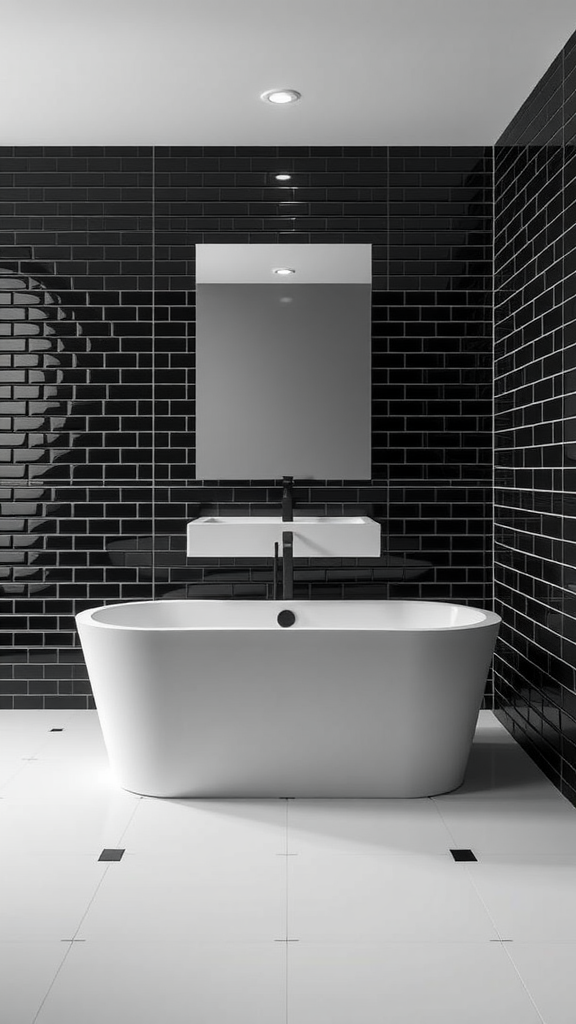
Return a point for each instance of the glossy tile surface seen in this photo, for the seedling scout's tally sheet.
(97, 410)
(535, 425)
(548, 969)
(380, 899)
(176, 982)
(288, 911)
(406, 983)
(27, 970)
(191, 899)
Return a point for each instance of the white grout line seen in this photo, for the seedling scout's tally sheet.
(153, 382)
(514, 650)
(539, 558)
(510, 391)
(512, 165)
(533, 643)
(533, 490)
(493, 566)
(529, 512)
(542, 625)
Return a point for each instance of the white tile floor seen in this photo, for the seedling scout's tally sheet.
(276, 911)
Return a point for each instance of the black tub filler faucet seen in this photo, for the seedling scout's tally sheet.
(287, 563)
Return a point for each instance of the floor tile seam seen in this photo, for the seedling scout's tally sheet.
(390, 857)
(286, 891)
(421, 942)
(483, 932)
(376, 943)
(434, 803)
(137, 805)
(544, 942)
(286, 982)
(91, 901)
(469, 872)
(52, 983)
(199, 943)
(267, 943)
(524, 984)
(272, 939)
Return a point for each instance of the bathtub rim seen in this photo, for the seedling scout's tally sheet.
(86, 618)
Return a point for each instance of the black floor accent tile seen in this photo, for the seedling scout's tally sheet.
(463, 855)
(111, 855)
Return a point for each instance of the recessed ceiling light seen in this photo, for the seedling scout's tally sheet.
(283, 271)
(281, 96)
(283, 177)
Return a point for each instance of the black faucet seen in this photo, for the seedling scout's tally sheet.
(287, 499)
(287, 565)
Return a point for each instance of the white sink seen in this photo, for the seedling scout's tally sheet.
(255, 536)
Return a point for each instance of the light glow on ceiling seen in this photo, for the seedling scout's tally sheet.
(281, 96)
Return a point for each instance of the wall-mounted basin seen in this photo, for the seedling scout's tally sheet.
(255, 536)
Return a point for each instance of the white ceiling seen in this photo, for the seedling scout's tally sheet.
(190, 72)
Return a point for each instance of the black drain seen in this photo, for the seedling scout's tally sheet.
(286, 618)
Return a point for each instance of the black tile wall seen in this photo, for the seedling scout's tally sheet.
(76, 276)
(97, 319)
(535, 455)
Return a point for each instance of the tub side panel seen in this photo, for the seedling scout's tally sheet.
(274, 713)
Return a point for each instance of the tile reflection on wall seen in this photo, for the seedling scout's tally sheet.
(97, 478)
(75, 401)
(66, 555)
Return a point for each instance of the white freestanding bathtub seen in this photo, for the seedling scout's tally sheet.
(355, 699)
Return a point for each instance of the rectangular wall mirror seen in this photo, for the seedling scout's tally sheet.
(283, 361)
